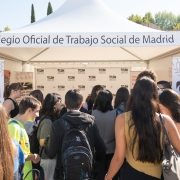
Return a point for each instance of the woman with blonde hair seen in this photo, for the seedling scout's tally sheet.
(6, 149)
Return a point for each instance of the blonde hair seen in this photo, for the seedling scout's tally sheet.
(6, 149)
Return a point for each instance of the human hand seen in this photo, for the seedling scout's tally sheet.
(35, 158)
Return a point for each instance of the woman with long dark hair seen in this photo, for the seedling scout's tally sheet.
(138, 136)
(121, 100)
(11, 93)
(170, 105)
(49, 113)
(92, 97)
(105, 119)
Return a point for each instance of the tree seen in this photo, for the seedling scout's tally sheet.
(178, 19)
(7, 28)
(136, 18)
(49, 9)
(165, 20)
(32, 14)
(177, 27)
(148, 18)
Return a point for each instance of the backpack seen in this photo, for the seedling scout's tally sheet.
(33, 140)
(77, 158)
(171, 159)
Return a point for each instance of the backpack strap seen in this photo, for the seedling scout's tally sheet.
(165, 134)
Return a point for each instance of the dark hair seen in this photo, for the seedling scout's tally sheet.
(171, 100)
(122, 96)
(37, 94)
(48, 105)
(143, 104)
(103, 101)
(73, 99)
(165, 84)
(28, 102)
(147, 73)
(94, 91)
(93, 95)
(9, 88)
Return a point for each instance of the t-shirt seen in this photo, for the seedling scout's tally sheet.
(19, 134)
(44, 130)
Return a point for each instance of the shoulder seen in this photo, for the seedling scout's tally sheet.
(8, 102)
(14, 124)
(88, 117)
(167, 120)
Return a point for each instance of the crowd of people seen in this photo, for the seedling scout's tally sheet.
(124, 137)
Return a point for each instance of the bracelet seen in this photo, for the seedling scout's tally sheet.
(107, 178)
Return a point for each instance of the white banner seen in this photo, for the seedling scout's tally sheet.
(176, 74)
(1, 81)
(114, 39)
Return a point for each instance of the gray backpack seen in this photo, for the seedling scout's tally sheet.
(171, 159)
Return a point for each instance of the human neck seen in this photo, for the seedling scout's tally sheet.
(20, 118)
(12, 96)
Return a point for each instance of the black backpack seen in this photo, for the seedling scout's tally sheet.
(77, 157)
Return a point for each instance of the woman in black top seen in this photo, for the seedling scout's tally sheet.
(11, 93)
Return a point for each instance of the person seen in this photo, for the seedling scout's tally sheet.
(163, 85)
(7, 150)
(73, 102)
(31, 125)
(105, 119)
(121, 99)
(11, 93)
(91, 99)
(138, 134)
(49, 113)
(170, 105)
(38, 95)
(28, 109)
(147, 73)
(19, 161)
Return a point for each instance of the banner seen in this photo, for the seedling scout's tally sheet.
(101, 39)
(176, 74)
(1, 81)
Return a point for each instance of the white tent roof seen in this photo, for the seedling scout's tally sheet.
(84, 16)
(79, 17)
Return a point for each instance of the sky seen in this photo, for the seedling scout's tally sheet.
(17, 13)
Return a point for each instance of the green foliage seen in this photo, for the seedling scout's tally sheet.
(7, 28)
(177, 27)
(165, 20)
(32, 14)
(178, 19)
(135, 18)
(148, 18)
(49, 9)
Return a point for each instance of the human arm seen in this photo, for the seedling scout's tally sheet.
(173, 133)
(119, 154)
(8, 105)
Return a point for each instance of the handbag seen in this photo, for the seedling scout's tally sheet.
(171, 159)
